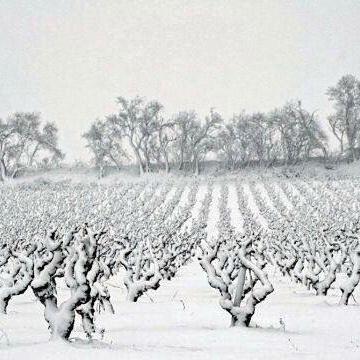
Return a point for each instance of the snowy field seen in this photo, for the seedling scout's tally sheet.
(184, 320)
(180, 317)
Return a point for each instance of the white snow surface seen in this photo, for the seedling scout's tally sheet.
(236, 217)
(212, 229)
(185, 321)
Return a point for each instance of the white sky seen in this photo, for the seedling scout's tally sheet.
(70, 59)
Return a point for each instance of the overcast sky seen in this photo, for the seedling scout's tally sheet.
(70, 59)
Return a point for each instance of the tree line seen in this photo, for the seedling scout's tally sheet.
(285, 135)
(140, 132)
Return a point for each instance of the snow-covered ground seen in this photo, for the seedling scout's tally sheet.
(182, 320)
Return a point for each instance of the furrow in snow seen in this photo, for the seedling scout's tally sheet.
(212, 228)
(283, 196)
(253, 206)
(237, 219)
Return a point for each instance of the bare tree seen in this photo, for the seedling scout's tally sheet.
(298, 131)
(229, 149)
(248, 137)
(346, 98)
(105, 145)
(315, 136)
(162, 142)
(137, 121)
(23, 142)
(194, 139)
(202, 138)
(241, 133)
(184, 122)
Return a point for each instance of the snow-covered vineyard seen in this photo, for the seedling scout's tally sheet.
(230, 268)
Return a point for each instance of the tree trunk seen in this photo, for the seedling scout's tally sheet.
(140, 163)
(351, 147)
(167, 167)
(181, 161)
(342, 147)
(197, 166)
(4, 301)
(348, 286)
(240, 320)
(117, 164)
(147, 166)
(167, 164)
(31, 159)
(61, 318)
(240, 286)
(3, 171)
(101, 171)
(60, 322)
(141, 168)
(138, 158)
